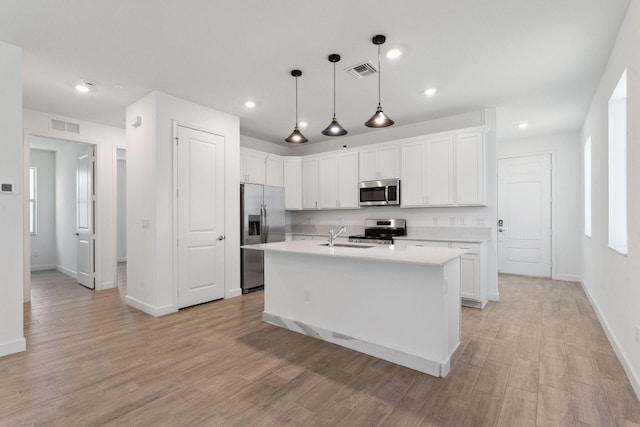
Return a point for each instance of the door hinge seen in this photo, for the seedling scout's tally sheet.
(177, 140)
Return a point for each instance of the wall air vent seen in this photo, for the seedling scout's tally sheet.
(62, 126)
(363, 69)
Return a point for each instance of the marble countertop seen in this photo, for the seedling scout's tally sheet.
(387, 253)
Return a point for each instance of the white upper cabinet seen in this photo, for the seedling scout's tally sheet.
(444, 170)
(412, 179)
(328, 182)
(439, 171)
(338, 180)
(252, 166)
(274, 170)
(310, 182)
(470, 170)
(348, 183)
(292, 177)
(378, 163)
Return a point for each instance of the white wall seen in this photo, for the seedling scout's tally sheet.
(105, 138)
(12, 226)
(122, 208)
(611, 279)
(565, 149)
(151, 272)
(43, 243)
(261, 145)
(443, 124)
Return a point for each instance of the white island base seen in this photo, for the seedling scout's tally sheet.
(404, 312)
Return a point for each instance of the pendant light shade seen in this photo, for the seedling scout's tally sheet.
(334, 128)
(296, 136)
(379, 119)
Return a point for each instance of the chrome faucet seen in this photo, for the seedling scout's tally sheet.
(333, 235)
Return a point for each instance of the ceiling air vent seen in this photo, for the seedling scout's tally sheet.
(61, 125)
(363, 69)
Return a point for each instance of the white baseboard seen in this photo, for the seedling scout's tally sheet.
(566, 277)
(234, 293)
(149, 309)
(106, 285)
(43, 267)
(11, 347)
(67, 271)
(633, 376)
(491, 296)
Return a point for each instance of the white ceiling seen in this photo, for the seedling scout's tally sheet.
(535, 61)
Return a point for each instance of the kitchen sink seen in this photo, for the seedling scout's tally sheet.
(348, 245)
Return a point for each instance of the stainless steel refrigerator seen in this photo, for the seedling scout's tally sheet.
(262, 221)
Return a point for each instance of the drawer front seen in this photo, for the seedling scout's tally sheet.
(474, 248)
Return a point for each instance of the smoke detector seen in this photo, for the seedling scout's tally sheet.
(362, 69)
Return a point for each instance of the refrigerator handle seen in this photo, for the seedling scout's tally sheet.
(266, 224)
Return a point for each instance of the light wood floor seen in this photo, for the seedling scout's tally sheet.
(538, 357)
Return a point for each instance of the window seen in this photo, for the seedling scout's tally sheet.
(618, 167)
(587, 188)
(33, 195)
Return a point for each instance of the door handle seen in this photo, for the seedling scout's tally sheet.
(502, 229)
(221, 237)
(77, 234)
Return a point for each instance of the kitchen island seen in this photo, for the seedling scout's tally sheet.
(395, 302)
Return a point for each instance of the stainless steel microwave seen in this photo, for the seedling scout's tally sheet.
(384, 192)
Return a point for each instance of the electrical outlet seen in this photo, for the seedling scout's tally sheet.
(637, 334)
(435, 220)
(452, 220)
(307, 296)
(461, 220)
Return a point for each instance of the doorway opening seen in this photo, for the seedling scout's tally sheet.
(121, 220)
(62, 202)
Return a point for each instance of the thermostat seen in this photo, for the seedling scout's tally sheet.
(6, 188)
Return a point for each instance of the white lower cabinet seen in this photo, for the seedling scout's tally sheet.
(473, 269)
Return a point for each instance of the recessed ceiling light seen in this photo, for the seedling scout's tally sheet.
(394, 53)
(249, 104)
(431, 91)
(523, 125)
(85, 86)
(303, 124)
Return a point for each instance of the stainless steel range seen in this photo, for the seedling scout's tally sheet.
(381, 231)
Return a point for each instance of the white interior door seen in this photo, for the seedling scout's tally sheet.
(524, 215)
(200, 217)
(85, 195)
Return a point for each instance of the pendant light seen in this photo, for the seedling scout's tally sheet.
(379, 119)
(296, 136)
(334, 128)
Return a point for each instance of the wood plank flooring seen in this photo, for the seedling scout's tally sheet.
(538, 357)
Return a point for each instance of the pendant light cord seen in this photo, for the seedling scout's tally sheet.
(334, 90)
(379, 72)
(296, 101)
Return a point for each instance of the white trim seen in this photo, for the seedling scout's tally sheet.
(105, 285)
(114, 198)
(491, 296)
(233, 293)
(149, 309)
(43, 267)
(11, 347)
(67, 271)
(634, 377)
(552, 155)
(26, 262)
(566, 277)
